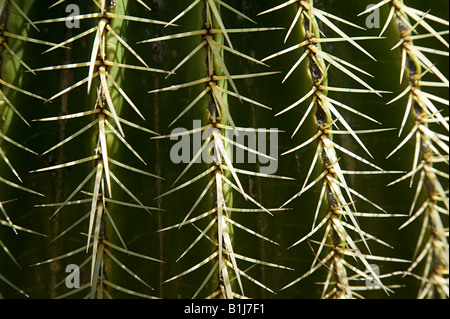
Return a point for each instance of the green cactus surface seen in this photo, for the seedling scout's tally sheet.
(222, 149)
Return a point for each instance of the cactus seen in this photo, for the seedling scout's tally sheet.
(224, 149)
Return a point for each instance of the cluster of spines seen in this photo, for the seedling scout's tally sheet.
(336, 197)
(224, 180)
(10, 60)
(431, 150)
(107, 101)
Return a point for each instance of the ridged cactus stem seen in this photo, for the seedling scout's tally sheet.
(217, 110)
(105, 72)
(430, 153)
(12, 17)
(336, 196)
(226, 274)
